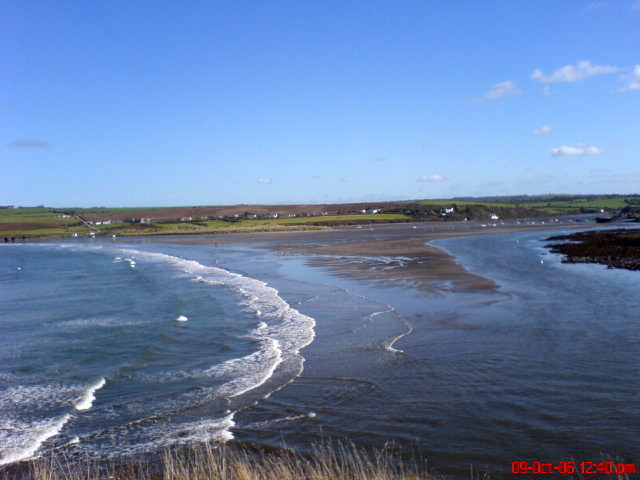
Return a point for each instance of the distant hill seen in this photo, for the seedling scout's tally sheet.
(42, 221)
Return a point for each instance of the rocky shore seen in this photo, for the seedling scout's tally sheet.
(615, 248)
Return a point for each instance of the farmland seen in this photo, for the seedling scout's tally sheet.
(16, 223)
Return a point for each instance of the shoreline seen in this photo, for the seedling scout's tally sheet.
(618, 248)
(355, 254)
(395, 254)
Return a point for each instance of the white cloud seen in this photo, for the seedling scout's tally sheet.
(28, 143)
(542, 130)
(432, 178)
(379, 159)
(573, 73)
(632, 80)
(502, 89)
(265, 181)
(579, 149)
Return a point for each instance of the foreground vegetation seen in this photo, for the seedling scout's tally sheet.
(214, 462)
(223, 462)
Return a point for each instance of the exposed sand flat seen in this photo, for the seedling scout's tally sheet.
(393, 252)
(403, 261)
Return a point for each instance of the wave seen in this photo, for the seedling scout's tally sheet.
(248, 372)
(388, 345)
(282, 330)
(21, 440)
(202, 431)
(86, 401)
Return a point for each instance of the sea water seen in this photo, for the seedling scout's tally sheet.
(118, 351)
(115, 348)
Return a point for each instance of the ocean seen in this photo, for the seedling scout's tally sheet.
(113, 348)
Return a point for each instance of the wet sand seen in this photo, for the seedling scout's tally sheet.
(393, 253)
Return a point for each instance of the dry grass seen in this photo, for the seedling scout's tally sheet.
(331, 461)
(213, 462)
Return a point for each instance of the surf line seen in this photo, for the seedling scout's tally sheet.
(42, 433)
(388, 345)
(279, 341)
(86, 401)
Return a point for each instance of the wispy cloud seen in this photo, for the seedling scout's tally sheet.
(379, 159)
(432, 178)
(573, 72)
(597, 172)
(28, 143)
(632, 80)
(593, 6)
(501, 90)
(265, 181)
(635, 6)
(542, 130)
(579, 149)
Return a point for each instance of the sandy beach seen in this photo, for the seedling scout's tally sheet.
(396, 253)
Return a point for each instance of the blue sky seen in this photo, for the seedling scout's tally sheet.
(145, 103)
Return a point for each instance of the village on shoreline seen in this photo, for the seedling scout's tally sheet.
(41, 221)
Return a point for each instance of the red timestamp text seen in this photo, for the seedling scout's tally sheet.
(573, 467)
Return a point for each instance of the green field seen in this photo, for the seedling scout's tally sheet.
(448, 203)
(18, 222)
(42, 222)
(550, 204)
(250, 225)
(577, 203)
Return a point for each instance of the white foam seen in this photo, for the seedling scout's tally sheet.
(181, 318)
(30, 397)
(86, 401)
(130, 261)
(250, 371)
(389, 344)
(202, 431)
(281, 333)
(21, 441)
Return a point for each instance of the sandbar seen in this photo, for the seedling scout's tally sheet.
(394, 253)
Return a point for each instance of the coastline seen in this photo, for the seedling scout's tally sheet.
(618, 248)
(396, 253)
(392, 260)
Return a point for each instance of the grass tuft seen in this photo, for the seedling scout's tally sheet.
(328, 461)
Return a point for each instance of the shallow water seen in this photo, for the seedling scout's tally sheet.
(98, 357)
